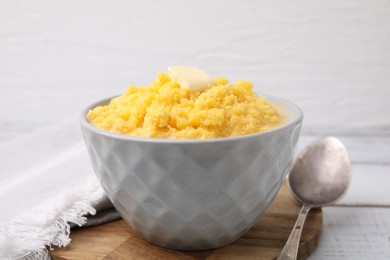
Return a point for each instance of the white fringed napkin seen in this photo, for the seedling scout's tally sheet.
(47, 184)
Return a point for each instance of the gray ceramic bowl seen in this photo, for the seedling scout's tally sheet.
(193, 194)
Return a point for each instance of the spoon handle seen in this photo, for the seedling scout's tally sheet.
(290, 249)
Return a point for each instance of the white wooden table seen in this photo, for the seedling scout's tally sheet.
(358, 227)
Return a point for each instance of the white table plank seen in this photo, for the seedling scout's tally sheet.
(369, 186)
(354, 233)
(370, 149)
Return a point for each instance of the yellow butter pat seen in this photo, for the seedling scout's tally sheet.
(190, 78)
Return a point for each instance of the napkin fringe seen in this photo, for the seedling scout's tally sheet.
(29, 235)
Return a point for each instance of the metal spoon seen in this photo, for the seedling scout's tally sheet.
(320, 176)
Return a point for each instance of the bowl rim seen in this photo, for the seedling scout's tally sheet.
(85, 123)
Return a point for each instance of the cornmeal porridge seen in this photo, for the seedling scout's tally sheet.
(186, 104)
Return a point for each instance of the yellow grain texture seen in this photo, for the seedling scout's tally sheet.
(165, 110)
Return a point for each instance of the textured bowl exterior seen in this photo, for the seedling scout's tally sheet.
(192, 195)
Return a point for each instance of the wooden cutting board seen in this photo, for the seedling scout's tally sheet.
(116, 240)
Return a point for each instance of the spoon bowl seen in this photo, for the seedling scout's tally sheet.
(321, 173)
(320, 176)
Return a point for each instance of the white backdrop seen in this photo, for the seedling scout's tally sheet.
(332, 58)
